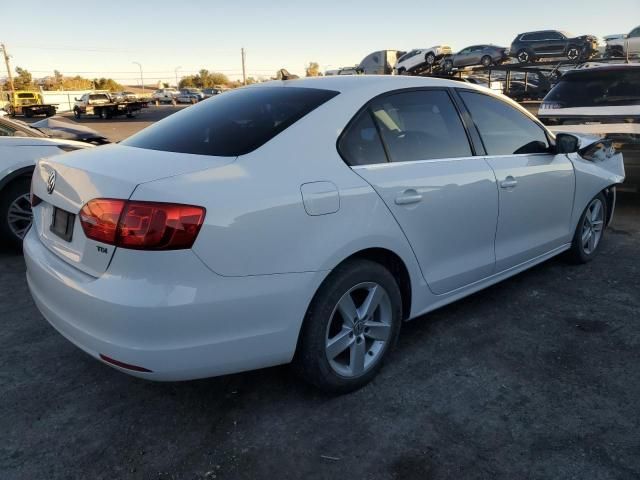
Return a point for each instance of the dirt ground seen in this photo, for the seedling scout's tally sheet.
(537, 377)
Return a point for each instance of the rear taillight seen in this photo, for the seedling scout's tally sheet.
(142, 225)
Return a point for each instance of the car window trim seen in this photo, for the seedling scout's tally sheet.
(367, 106)
(550, 138)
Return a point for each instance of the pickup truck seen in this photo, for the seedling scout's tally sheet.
(104, 106)
(22, 102)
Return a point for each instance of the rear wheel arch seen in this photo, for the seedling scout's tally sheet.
(21, 173)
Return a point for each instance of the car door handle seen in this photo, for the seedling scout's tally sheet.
(508, 182)
(408, 197)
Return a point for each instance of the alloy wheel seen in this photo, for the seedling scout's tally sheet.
(19, 216)
(523, 57)
(573, 53)
(592, 226)
(359, 329)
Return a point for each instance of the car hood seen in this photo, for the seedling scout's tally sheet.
(56, 128)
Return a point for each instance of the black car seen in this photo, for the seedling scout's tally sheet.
(530, 46)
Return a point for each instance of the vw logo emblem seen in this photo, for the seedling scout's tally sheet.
(51, 182)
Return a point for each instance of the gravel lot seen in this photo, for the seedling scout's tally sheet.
(537, 377)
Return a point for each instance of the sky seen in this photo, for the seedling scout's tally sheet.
(94, 40)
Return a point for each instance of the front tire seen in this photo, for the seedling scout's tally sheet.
(524, 56)
(486, 61)
(590, 231)
(352, 324)
(15, 212)
(447, 65)
(573, 53)
(430, 58)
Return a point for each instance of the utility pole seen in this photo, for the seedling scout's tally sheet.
(176, 72)
(244, 72)
(6, 62)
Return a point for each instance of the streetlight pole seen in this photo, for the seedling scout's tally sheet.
(141, 76)
(176, 72)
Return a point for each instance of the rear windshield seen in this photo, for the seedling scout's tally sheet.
(232, 124)
(597, 89)
(26, 95)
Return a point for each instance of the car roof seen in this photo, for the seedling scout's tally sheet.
(346, 83)
(619, 67)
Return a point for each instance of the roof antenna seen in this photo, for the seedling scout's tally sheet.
(283, 74)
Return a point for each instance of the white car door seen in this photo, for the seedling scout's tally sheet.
(536, 185)
(418, 158)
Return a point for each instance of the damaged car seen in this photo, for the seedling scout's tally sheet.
(345, 206)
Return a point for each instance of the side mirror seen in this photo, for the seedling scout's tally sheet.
(567, 143)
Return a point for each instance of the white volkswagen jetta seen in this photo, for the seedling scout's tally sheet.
(304, 220)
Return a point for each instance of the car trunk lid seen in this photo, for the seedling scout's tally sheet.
(112, 171)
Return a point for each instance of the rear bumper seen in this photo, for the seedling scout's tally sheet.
(169, 314)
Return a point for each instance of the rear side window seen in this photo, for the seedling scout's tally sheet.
(420, 125)
(503, 129)
(232, 124)
(606, 88)
(361, 144)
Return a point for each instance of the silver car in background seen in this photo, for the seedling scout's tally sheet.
(485, 55)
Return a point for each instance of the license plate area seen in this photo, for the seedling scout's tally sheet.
(62, 224)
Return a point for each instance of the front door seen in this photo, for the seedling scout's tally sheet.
(536, 186)
(444, 199)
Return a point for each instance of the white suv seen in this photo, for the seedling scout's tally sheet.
(416, 59)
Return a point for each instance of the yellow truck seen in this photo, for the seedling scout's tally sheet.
(23, 102)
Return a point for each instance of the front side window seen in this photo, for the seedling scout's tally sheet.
(503, 129)
(635, 33)
(420, 125)
(361, 144)
(232, 124)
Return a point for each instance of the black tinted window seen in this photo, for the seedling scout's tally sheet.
(420, 125)
(504, 130)
(360, 144)
(597, 89)
(232, 124)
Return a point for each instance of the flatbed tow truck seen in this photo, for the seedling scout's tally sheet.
(27, 103)
(103, 105)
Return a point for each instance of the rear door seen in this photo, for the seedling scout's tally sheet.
(444, 199)
(536, 186)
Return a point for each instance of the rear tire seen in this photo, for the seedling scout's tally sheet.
(447, 65)
(104, 114)
(343, 344)
(589, 231)
(15, 212)
(430, 58)
(28, 113)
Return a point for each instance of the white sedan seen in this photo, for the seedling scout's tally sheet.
(304, 220)
(21, 146)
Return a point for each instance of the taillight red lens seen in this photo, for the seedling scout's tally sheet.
(142, 225)
(159, 226)
(99, 219)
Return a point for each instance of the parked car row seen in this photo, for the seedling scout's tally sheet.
(184, 95)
